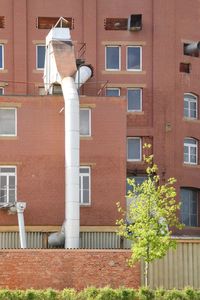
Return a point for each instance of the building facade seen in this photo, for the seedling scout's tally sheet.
(145, 88)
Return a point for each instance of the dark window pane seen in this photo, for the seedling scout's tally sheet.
(133, 59)
(84, 122)
(193, 220)
(112, 58)
(189, 207)
(1, 56)
(40, 57)
(112, 92)
(86, 196)
(84, 170)
(7, 122)
(134, 100)
(134, 149)
(86, 182)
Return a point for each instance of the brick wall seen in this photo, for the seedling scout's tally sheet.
(66, 268)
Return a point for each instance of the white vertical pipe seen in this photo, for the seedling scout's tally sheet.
(72, 149)
(20, 215)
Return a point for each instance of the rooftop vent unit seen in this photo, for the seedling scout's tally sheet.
(135, 22)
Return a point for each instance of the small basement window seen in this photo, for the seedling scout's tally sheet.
(185, 67)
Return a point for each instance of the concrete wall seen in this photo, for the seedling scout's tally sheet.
(60, 269)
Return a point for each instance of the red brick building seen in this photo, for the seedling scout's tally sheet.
(143, 60)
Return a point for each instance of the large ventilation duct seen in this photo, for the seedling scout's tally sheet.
(60, 68)
(82, 75)
(192, 48)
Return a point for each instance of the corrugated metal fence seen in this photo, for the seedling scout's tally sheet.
(179, 268)
(88, 240)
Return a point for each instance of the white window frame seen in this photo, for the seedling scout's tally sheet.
(189, 146)
(15, 109)
(2, 45)
(135, 138)
(80, 187)
(141, 92)
(194, 100)
(90, 130)
(38, 45)
(113, 46)
(7, 187)
(2, 89)
(116, 89)
(136, 70)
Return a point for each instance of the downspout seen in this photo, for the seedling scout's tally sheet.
(20, 206)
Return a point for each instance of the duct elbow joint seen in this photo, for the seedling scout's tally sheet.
(192, 48)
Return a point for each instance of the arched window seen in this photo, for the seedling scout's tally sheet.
(190, 106)
(190, 151)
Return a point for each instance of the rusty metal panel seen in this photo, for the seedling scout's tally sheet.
(2, 22)
(116, 23)
(49, 22)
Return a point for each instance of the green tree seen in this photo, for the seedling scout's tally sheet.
(152, 212)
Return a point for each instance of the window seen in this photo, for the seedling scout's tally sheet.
(190, 151)
(112, 92)
(85, 122)
(189, 207)
(113, 58)
(134, 97)
(134, 149)
(7, 184)
(41, 91)
(1, 56)
(190, 106)
(138, 180)
(1, 91)
(134, 58)
(40, 56)
(84, 186)
(8, 121)
(191, 49)
(185, 67)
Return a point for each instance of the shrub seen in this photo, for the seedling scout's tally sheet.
(126, 294)
(160, 294)
(175, 295)
(146, 293)
(88, 293)
(106, 293)
(68, 294)
(191, 294)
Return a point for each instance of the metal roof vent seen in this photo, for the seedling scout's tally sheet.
(135, 22)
